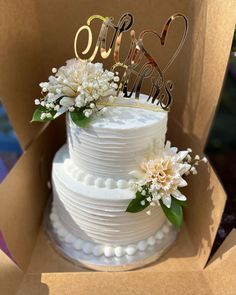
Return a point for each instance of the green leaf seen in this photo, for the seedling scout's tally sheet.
(174, 214)
(135, 205)
(79, 118)
(181, 203)
(38, 112)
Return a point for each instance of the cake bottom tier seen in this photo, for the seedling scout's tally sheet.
(89, 225)
(108, 258)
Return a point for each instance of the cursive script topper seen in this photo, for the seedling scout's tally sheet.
(139, 65)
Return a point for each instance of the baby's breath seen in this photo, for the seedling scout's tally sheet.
(77, 86)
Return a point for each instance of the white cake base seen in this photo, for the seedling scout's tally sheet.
(114, 263)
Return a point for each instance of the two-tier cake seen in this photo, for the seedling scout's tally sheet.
(92, 188)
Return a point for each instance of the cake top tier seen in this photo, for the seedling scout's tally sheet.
(110, 146)
(126, 118)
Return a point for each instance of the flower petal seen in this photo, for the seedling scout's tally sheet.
(182, 182)
(68, 91)
(181, 155)
(61, 111)
(184, 168)
(179, 196)
(167, 201)
(53, 98)
(67, 101)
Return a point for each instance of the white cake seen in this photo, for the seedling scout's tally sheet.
(92, 188)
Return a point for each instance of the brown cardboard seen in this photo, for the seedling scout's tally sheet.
(10, 275)
(23, 196)
(221, 271)
(40, 36)
(21, 69)
(116, 283)
(217, 278)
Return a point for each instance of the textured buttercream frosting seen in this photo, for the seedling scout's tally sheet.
(98, 214)
(92, 184)
(111, 145)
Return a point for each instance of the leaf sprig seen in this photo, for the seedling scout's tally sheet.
(37, 116)
(174, 214)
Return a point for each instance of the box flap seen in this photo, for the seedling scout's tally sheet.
(29, 39)
(126, 283)
(23, 196)
(10, 275)
(199, 72)
(217, 278)
(226, 252)
(21, 69)
(198, 88)
(221, 271)
(206, 201)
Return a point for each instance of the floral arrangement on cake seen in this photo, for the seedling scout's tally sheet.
(75, 88)
(158, 179)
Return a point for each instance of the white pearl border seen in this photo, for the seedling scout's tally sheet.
(92, 180)
(107, 250)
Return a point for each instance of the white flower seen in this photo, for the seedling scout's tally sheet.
(88, 113)
(162, 174)
(193, 170)
(71, 109)
(36, 101)
(77, 84)
(204, 160)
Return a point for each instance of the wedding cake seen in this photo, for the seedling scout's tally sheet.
(92, 185)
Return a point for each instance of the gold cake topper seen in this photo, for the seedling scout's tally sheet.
(139, 65)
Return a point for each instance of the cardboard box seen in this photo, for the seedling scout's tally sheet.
(37, 35)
